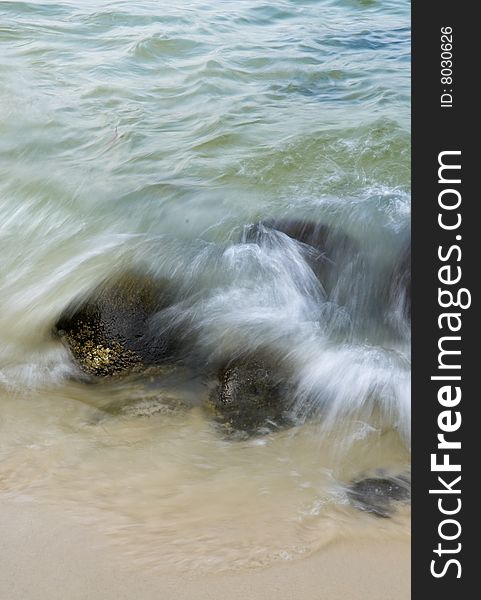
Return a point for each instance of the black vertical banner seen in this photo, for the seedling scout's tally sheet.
(445, 325)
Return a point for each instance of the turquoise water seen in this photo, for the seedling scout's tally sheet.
(152, 116)
(150, 133)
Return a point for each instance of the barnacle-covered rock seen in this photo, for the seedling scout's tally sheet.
(110, 332)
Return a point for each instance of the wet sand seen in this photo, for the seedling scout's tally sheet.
(46, 555)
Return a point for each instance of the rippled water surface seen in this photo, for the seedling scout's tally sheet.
(150, 135)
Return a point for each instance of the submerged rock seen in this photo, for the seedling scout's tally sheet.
(251, 397)
(377, 494)
(109, 332)
(161, 403)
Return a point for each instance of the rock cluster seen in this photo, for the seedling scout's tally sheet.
(110, 333)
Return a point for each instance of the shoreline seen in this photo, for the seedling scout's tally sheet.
(47, 555)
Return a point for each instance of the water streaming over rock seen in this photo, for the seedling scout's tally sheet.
(180, 141)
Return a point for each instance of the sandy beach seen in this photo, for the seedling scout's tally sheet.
(50, 556)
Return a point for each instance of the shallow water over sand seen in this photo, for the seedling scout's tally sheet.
(150, 137)
(172, 492)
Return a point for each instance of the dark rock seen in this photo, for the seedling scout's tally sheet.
(250, 397)
(377, 494)
(327, 248)
(400, 284)
(108, 333)
(317, 235)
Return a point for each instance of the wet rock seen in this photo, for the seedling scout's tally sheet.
(400, 283)
(251, 397)
(378, 495)
(317, 235)
(328, 248)
(109, 332)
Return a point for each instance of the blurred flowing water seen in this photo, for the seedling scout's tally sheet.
(152, 135)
